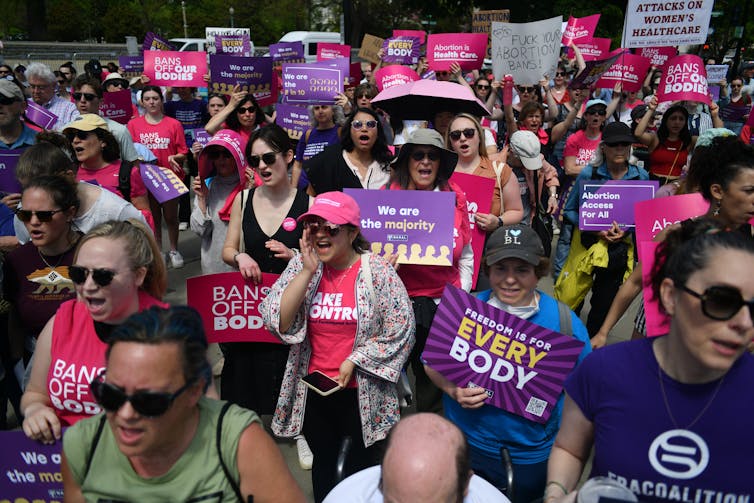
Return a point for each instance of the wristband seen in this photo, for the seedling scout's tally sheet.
(499, 221)
(235, 257)
(558, 484)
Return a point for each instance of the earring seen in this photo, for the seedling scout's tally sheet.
(717, 208)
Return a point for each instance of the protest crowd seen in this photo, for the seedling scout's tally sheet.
(376, 236)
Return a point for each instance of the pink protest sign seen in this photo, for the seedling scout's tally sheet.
(40, 116)
(658, 323)
(629, 70)
(229, 306)
(327, 50)
(684, 79)
(173, 68)
(421, 34)
(117, 106)
(394, 75)
(466, 49)
(31, 470)
(658, 56)
(592, 49)
(579, 28)
(162, 182)
(521, 366)
(653, 215)
(479, 192)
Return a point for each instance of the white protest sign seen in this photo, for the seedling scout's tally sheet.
(528, 51)
(651, 23)
(716, 73)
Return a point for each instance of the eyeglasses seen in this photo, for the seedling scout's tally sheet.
(618, 144)
(86, 96)
(721, 302)
(4, 100)
(370, 124)
(420, 155)
(482, 87)
(146, 403)
(101, 277)
(250, 109)
(468, 133)
(221, 152)
(596, 112)
(314, 227)
(528, 90)
(81, 135)
(268, 158)
(42, 216)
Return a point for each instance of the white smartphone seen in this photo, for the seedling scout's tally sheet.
(321, 383)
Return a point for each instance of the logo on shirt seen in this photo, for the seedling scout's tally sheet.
(679, 454)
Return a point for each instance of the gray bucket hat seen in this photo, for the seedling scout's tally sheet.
(423, 136)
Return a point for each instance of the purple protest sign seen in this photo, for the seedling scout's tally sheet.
(30, 470)
(155, 42)
(658, 56)
(8, 162)
(294, 119)
(312, 82)
(629, 70)
(733, 113)
(416, 225)
(131, 64)
(394, 75)
(684, 78)
(40, 116)
(579, 29)
(290, 52)
(604, 202)
(117, 106)
(466, 49)
(401, 50)
(162, 182)
(174, 68)
(254, 75)
(593, 70)
(202, 136)
(235, 45)
(522, 366)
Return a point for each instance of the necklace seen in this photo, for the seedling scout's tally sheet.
(53, 275)
(341, 275)
(667, 404)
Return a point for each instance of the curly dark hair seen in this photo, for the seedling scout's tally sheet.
(719, 164)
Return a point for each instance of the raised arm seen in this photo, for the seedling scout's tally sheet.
(641, 133)
(215, 124)
(615, 101)
(560, 129)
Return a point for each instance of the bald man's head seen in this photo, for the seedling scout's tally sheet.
(426, 460)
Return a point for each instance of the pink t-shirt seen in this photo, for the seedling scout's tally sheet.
(332, 320)
(581, 147)
(107, 178)
(164, 139)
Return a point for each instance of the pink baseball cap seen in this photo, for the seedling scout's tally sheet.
(335, 207)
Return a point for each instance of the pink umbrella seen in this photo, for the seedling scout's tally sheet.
(422, 99)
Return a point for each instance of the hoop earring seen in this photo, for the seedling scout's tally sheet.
(717, 208)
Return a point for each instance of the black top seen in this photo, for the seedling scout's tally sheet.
(328, 171)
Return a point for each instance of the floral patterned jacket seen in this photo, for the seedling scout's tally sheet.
(384, 338)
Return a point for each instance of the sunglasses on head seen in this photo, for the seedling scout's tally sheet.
(250, 109)
(146, 403)
(420, 155)
(468, 133)
(370, 124)
(101, 277)
(42, 216)
(721, 302)
(219, 152)
(314, 227)
(525, 89)
(86, 96)
(268, 158)
(4, 100)
(601, 111)
(81, 135)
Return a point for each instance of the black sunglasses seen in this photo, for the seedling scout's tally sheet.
(86, 96)
(101, 277)
(117, 83)
(146, 403)
(468, 133)
(314, 226)
(42, 216)
(721, 302)
(242, 110)
(81, 135)
(601, 111)
(561, 74)
(370, 124)
(420, 155)
(220, 152)
(525, 89)
(268, 158)
(4, 100)
(482, 86)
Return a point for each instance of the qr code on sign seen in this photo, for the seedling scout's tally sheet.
(536, 406)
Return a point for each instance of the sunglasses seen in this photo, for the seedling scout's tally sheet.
(81, 135)
(596, 112)
(42, 216)
(101, 277)
(420, 155)
(370, 124)
(721, 302)
(736, 85)
(560, 74)
(249, 109)
(86, 96)
(4, 100)
(482, 87)
(468, 133)
(116, 83)
(314, 227)
(618, 144)
(146, 403)
(525, 89)
(221, 152)
(268, 158)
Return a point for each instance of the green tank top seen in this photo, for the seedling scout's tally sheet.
(196, 476)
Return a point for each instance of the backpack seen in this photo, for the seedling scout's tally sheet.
(124, 179)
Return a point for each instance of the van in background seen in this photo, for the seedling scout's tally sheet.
(310, 40)
(189, 44)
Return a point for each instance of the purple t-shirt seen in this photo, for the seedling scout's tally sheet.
(638, 444)
(319, 139)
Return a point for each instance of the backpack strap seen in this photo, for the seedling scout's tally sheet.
(565, 319)
(501, 169)
(218, 440)
(124, 179)
(95, 441)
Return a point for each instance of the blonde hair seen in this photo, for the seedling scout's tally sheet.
(141, 248)
(479, 132)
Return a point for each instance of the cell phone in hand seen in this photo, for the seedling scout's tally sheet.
(321, 383)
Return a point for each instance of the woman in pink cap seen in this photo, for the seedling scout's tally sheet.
(346, 314)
